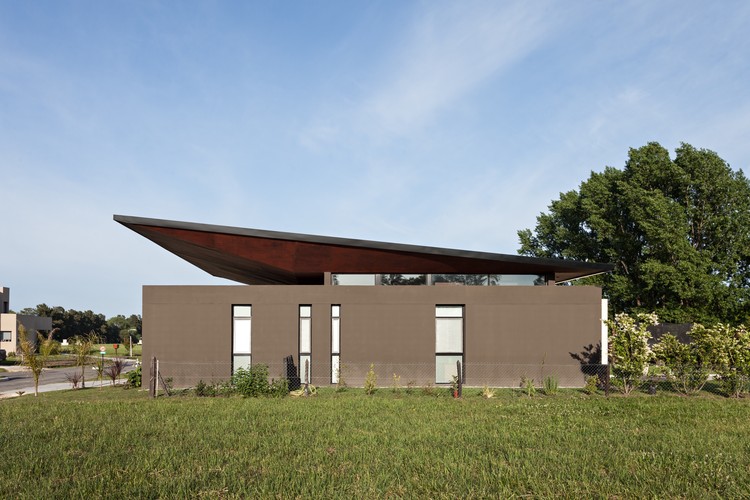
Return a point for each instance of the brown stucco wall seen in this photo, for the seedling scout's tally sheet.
(509, 331)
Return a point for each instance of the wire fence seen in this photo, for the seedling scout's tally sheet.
(473, 375)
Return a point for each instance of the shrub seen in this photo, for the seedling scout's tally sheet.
(74, 378)
(134, 377)
(279, 388)
(371, 381)
(114, 370)
(251, 382)
(628, 348)
(592, 384)
(550, 385)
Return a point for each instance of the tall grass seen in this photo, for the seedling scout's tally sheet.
(118, 443)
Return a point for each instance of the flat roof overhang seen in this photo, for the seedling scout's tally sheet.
(258, 257)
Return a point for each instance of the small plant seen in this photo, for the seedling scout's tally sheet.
(527, 384)
(114, 370)
(487, 393)
(428, 390)
(341, 385)
(74, 378)
(550, 385)
(410, 386)
(252, 382)
(454, 386)
(371, 381)
(592, 384)
(134, 377)
(201, 389)
(278, 388)
(396, 384)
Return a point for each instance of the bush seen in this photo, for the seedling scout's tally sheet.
(134, 377)
(371, 381)
(592, 384)
(253, 382)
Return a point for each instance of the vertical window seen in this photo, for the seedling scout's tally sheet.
(305, 343)
(241, 328)
(335, 343)
(449, 342)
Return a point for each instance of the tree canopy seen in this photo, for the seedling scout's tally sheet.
(677, 230)
(72, 323)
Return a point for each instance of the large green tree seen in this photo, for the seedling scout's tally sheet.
(677, 230)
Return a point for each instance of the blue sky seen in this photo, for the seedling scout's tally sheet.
(435, 123)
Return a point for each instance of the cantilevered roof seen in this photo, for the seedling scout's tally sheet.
(258, 257)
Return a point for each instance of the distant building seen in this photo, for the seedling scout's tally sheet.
(316, 308)
(9, 324)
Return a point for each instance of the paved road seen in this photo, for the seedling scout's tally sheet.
(51, 379)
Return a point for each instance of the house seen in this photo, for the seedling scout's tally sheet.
(322, 309)
(9, 324)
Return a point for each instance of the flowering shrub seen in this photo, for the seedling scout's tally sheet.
(629, 353)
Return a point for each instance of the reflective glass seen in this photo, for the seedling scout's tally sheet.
(241, 362)
(403, 279)
(354, 279)
(445, 368)
(517, 280)
(241, 334)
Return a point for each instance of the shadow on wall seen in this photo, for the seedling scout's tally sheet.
(591, 362)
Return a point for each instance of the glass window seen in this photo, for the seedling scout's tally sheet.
(449, 334)
(335, 369)
(449, 311)
(461, 279)
(241, 336)
(354, 279)
(449, 341)
(518, 280)
(304, 368)
(403, 279)
(240, 361)
(445, 367)
(305, 334)
(5, 336)
(305, 342)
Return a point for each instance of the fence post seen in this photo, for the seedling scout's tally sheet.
(152, 378)
(606, 382)
(156, 380)
(460, 378)
(307, 377)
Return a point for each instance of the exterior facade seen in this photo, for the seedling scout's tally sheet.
(323, 310)
(9, 324)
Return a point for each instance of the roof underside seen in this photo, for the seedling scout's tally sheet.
(257, 257)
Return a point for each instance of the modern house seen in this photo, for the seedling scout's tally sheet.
(9, 324)
(323, 309)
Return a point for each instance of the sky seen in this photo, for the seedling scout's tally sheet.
(449, 124)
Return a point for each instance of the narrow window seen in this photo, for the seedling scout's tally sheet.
(335, 343)
(241, 329)
(305, 343)
(449, 342)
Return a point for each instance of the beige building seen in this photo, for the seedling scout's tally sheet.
(9, 324)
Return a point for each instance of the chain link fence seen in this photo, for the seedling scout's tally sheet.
(473, 375)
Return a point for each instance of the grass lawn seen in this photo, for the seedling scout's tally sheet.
(113, 442)
(123, 350)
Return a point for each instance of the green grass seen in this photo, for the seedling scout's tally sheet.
(123, 350)
(118, 443)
